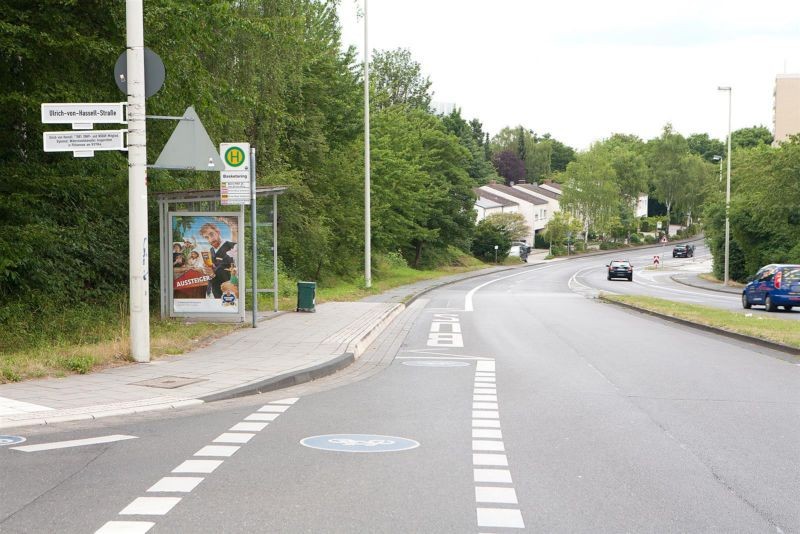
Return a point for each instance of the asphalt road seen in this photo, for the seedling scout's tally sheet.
(517, 402)
(649, 281)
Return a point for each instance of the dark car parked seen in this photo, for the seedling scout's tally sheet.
(620, 269)
(774, 285)
(683, 251)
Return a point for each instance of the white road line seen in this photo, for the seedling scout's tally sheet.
(491, 433)
(491, 398)
(273, 409)
(485, 414)
(176, 484)
(72, 443)
(289, 401)
(125, 527)
(225, 451)
(500, 517)
(484, 406)
(485, 366)
(248, 427)
(262, 417)
(486, 445)
(150, 506)
(468, 299)
(484, 373)
(198, 466)
(485, 423)
(484, 391)
(495, 495)
(499, 460)
(500, 476)
(233, 437)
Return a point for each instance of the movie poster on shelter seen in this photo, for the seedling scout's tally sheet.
(205, 260)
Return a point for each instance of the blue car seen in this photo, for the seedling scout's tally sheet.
(774, 285)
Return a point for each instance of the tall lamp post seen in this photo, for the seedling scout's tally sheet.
(367, 200)
(718, 159)
(728, 190)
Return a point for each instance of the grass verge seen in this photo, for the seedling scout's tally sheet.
(774, 329)
(55, 342)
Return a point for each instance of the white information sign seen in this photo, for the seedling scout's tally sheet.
(234, 187)
(234, 181)
(83, 116)
(84, 143)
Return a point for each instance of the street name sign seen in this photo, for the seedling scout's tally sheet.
(83, 116)
(84, 143)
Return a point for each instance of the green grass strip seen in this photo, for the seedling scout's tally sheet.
(774, 329)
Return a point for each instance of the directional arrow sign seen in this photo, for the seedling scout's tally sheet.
(84, 143)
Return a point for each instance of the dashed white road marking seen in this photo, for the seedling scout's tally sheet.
(499, 460)
(72, 443)
(484, 445)
(488, 391)
(502, 476)
(217, 450)
(248, 427)
(261, 417)
(176, 484)
(150, 506)
(500, 517)
(487, 433)
(484, 398)
(198, 466)
(233, 437)
(485, 414)
(162, 505)
(496, 495)
(125, 527)
(486, 423)
(484, 406)
(273, 409)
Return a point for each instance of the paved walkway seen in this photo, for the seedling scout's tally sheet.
(289, 349)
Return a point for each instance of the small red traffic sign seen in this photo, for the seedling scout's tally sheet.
(656, 260)
(663, 239)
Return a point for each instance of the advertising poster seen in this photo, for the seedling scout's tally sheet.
(205, 257)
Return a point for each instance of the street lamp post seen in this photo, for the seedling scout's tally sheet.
(728, 190)
(367, 186)
(719, 159)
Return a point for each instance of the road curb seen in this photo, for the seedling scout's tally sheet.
(675, 278)
(711, 329)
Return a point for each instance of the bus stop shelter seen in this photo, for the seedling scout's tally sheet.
(203, 245)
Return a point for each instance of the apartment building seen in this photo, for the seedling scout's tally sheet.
(786, 107)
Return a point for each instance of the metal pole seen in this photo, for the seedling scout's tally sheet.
(367, 229)
(254, 272)
(728, 192)
(137, 184)
(275, 249)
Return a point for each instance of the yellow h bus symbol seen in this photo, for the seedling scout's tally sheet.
(234, 156)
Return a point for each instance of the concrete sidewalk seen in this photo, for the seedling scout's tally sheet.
(289, 349)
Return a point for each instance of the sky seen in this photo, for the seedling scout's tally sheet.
(583, 70)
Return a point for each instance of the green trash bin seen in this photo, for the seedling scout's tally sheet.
(306, 296)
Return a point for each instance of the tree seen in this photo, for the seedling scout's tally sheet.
(512, 224)
(666, 156)
(509, 166)
(488, 234)
(397, 80)
(560, 227)
(751, 137)
(471, 138)
(705, 147)
(590, 190)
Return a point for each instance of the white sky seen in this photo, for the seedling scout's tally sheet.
(584, 69)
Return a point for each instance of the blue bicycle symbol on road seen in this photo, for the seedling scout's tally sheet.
(359, 443)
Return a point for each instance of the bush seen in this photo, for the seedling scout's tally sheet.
(635, 239)
(579, 246)
(559, 250)
(610, 245)
(649, 239)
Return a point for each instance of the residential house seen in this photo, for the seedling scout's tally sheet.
(532, 208)
(489, 204)
(552, 199)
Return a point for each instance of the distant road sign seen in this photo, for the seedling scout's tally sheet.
(236, 156)
(663, 239)
(234, 187)
(84, 143)
(82, 116)
(656, 260)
